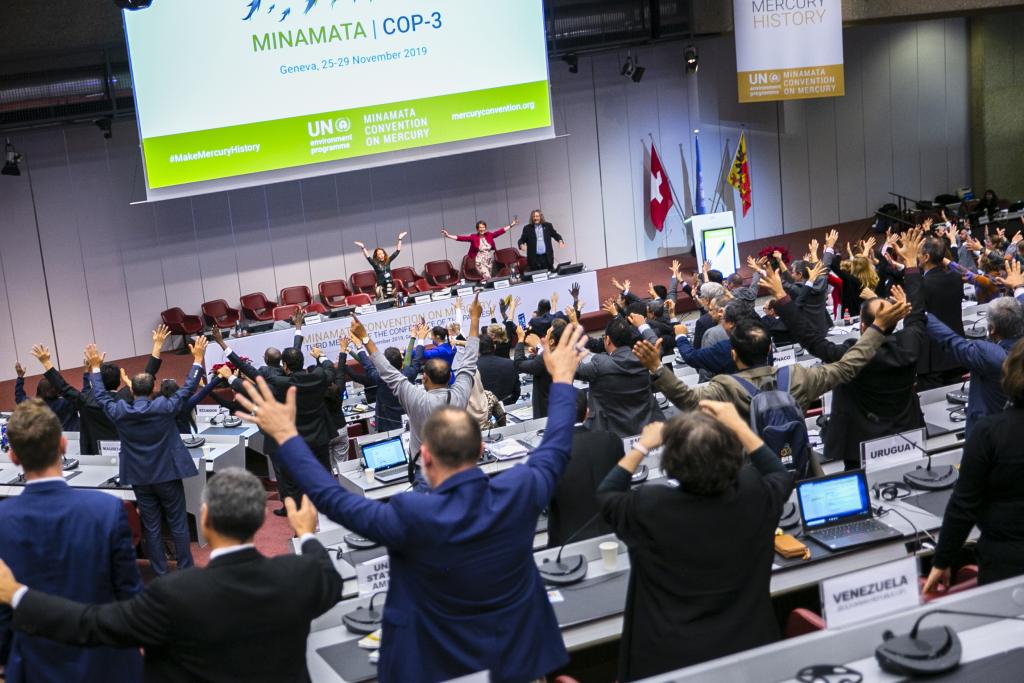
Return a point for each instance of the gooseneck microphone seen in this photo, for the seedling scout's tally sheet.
(573, 569)
(929, 478)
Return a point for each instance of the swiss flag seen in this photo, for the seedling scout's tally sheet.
(661, 194)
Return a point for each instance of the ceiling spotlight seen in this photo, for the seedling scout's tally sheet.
(133, 4)
(574, 63)
(692, 59)
(12, 159)
(106, 125)
(632, 69)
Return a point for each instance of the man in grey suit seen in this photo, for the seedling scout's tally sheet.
(621, 398)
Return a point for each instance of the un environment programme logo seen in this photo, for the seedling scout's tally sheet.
(322, 127)
(282, 9)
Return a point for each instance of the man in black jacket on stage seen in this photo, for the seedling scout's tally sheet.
(538, 238)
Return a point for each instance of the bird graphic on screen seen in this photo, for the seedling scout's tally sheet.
(309, 5)
(284, 14)
(254, 7)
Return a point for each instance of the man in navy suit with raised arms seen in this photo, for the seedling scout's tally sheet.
(465, 594)
(69, 542)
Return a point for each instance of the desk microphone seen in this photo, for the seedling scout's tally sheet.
(362, 620)
(67, 464)
(194, 441)
(958, 396)
(573, 570)
(487, 438)
(927, 651)
(929, 478)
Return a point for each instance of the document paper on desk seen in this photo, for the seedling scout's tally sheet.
(508, 449)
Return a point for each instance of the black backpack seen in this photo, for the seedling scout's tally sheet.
(776, 418)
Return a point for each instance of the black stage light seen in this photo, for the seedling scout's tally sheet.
(574, 63)
(11, 160)
(692, 59)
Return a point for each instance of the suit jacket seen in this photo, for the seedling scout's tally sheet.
(244, 617)
(692, 597)
(574, 506)
(704, 323)
(388, 408)
(151, 448)
(541, 379)
(75, 544)
(63, 408)
(465, 594)
(812, 298)
(881, 399)
(267, 372)
(312, 417)
(942, 291)
(621, 400)
(94, 424)
(500, 377)
(529, 238)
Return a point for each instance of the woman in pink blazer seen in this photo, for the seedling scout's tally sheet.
(481, 245)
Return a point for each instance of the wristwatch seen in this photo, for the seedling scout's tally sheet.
(364, 341)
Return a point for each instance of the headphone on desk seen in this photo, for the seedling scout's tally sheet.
(891, 490)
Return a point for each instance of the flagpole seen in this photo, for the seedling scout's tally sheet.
(671, 188)
(720, 187)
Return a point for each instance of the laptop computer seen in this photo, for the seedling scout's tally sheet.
(387, 458)
(836, 511)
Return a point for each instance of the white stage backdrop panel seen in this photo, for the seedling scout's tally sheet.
(391, 327)
(258, 86)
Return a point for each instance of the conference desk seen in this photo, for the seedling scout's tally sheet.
(591, 613)
(99, 471)
(991, 645)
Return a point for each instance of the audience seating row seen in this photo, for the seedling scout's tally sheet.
(357, 291)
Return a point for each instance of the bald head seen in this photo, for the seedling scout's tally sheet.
(272, 357)
(452, 437)
(436, 373)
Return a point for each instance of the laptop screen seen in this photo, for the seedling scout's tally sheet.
(383, 455)
(833, 499)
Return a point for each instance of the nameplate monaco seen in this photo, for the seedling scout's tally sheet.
(870, 593)
(784, 357)
(897, 449)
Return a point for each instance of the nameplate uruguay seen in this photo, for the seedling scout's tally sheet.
(888, 451)
(110, 449)
(870, 593)
(784, 357)
(373, 576)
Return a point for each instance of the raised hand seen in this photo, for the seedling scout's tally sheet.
(753, 265)
(297, 319)
(554, 300)
(815, 271)
(831, 238)
(888, 316)
(19, 370)
(316, 352)
(224, 372)
(812, 247)
(520, 334)
(161, 333)
(361, 245)
(93, 357)
(636, 320)
(533, 341)
(217, 335)
(616, 284)
(681, 330)
(562, 359)
(670, 308)
(274, 418)
(869, 246)
(401, 235)
(445, 233)
(356, 329)
(303, 519)
(1014, 278)
(910, 246)
(475, 311)
(626, 284)
(674, 269)
(898, 294)
(867, 294)
(570, 313)
(725, 413)
(649, 354)
(42, 354)
(343, 342)
(198, 349)
(772, 281)
(610, 307)
(650, 291)
(574, 291)
(125, 379)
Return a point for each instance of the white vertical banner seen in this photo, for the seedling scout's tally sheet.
(788, 49)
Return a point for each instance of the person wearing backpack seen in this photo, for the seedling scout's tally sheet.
(751, 346)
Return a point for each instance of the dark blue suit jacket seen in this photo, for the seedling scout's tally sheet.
(75, 544)
(151, 447)
(465, 594)
(716, 359)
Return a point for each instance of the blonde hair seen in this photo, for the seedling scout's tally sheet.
(497, 333)
(864, 272)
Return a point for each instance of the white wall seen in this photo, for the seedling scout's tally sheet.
(111, 267)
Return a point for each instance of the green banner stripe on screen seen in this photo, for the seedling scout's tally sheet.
(297, 141)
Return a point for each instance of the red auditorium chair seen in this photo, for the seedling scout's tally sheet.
(504, 259)
(134, 522)
(360, 299)
(441, 273)
(218, 313)
(803, 621)
(257, 307)
(421, 286)
(179, 323)
(595, 321)
(333, 293)
(302, 297)
(286, 312)
(364, 282)
(406, 275)
(469, 271)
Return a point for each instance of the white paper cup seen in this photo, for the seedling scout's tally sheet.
(370, 474)
(609, 555)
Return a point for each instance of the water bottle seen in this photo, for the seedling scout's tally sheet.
(846, 318)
